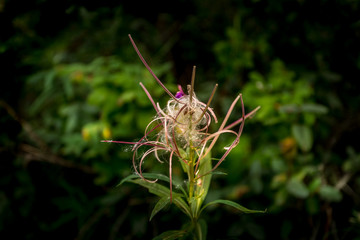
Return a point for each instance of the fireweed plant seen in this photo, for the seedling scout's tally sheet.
(181, 131)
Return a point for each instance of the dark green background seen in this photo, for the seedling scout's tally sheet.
(68, 71)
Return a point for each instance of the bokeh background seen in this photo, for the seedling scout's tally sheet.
(70, 78)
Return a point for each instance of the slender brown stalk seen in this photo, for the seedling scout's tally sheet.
(191, 91)
(208, 104)
(151, 71)
(249, 115)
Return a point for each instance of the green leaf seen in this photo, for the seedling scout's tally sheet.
(289, 108)
(202, 229)
(205, 167)
(303, 136)
(154, 188)
(297, 188)
(330, 193)
(314, 108)
(202, 185)
(184, 155)
(218, 173)
(163, 191)
(183, 165)
(234, 205)
(147, 176)
(160, 205)
(170, 235)
(314, 184)
(154, 176)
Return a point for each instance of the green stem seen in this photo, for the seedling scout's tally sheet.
(191, 170)
(197, 230)
(191, 174)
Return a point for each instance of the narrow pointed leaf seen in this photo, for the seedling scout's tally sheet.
(202, 229)
(171, 235)
(185, 156)
(163, 191)
(234, 205)
(147, 176)
(160, 205)
(153, 176)
(205, 167)
(202, 185)
(314, 108)
(218, 173)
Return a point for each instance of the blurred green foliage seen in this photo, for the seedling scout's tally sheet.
(68, 86)
(90, 102)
